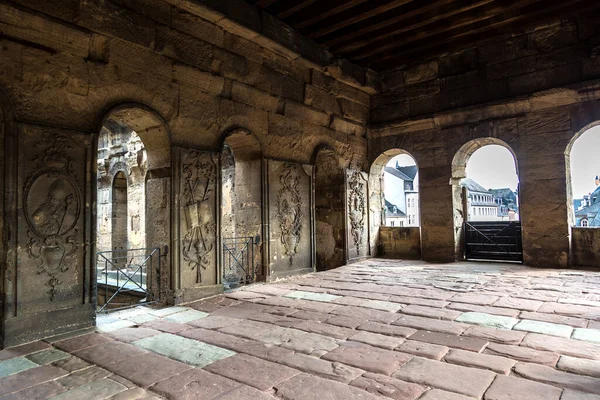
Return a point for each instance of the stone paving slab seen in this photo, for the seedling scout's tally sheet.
(185, 316)
(544, 327)
(47, 356)
(23, 350)
(299, 294)
(97, 390)
(15, 365)
(468, 381)
(29, 378)
(182, 349)
(489, 320)
(513, 388)
(147, 369)
(589, 335)
(308, 387)
(369, 358)
(42, 391)
(388, 387)
(252, 371)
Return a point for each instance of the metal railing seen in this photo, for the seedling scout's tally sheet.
(239, 264)
(124, 276)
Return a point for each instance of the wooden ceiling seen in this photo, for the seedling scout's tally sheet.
(383, 34)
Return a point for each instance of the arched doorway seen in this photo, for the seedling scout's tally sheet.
(133, 192)
(583, 195)
(485, 202)
(395, 205)
(329, 209)
(241, 196)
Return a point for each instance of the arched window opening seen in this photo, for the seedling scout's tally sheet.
(394, 187)
(329, 210)
(491, 184)
(486, 201)
(241, 209)
(584, 180)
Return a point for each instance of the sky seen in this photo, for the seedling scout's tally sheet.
(493, 167)
(585, 162)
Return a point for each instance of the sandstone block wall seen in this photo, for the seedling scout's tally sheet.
(533, 92)
(400, 242)
(66, 65)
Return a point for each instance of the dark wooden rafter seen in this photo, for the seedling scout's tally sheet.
(383, 34)
(295, 8)
(345, 42)
(405, 55)
(392, 40)
(352, 16)
(310, 16)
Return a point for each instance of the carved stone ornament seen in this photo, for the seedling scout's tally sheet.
(289, 210)
(356, 208)
(198, 177)
(52, 207)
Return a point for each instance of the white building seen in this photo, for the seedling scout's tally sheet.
(401, 189)
(482, 205)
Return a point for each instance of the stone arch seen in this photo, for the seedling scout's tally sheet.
(459, 172)
(377, 200)
(329, 208)
(158, 191)
(242, 202)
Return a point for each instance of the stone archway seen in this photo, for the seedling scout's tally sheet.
(459, 172)
(157, 192)
(242, 209)
(329, 209)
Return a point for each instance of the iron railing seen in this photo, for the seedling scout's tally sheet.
(124, 276)
(493, 240)
(239, 264)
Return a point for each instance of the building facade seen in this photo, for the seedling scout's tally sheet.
(401, 187)
(587, 209)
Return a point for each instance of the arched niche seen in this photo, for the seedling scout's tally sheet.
(241, 195)
(329, 209)
(459, 172)
(408, 243)
(157, 192)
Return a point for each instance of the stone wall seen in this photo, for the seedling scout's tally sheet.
(533, 92)
(121, 152)
(196, 75)
(585, 247)
(400, 242)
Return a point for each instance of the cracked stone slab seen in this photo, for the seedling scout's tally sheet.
(303, 342)
(182, 349)
(96, 390)
(300, 294)
(489, 320)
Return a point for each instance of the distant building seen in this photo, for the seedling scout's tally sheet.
(586, 209)
(490, 204)
(393, 215)
(402, 191)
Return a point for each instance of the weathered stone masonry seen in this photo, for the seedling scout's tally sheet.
(184, 75)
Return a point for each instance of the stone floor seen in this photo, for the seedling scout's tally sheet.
(379, 328)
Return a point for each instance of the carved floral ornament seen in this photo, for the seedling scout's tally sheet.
(52, 207)
(199, 174)
(356, 208)
(289, 210)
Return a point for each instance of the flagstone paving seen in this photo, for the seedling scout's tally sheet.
(374, 329)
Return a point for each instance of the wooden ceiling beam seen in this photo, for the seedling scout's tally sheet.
(312, 17)
(265, 3)
(346, 38)
(390, 42)
(358, 14)
(295, 8)
(407, 54)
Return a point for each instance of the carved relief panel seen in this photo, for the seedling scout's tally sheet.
(291, 245)
(197, 217)
(53, 219)
(357, 210)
